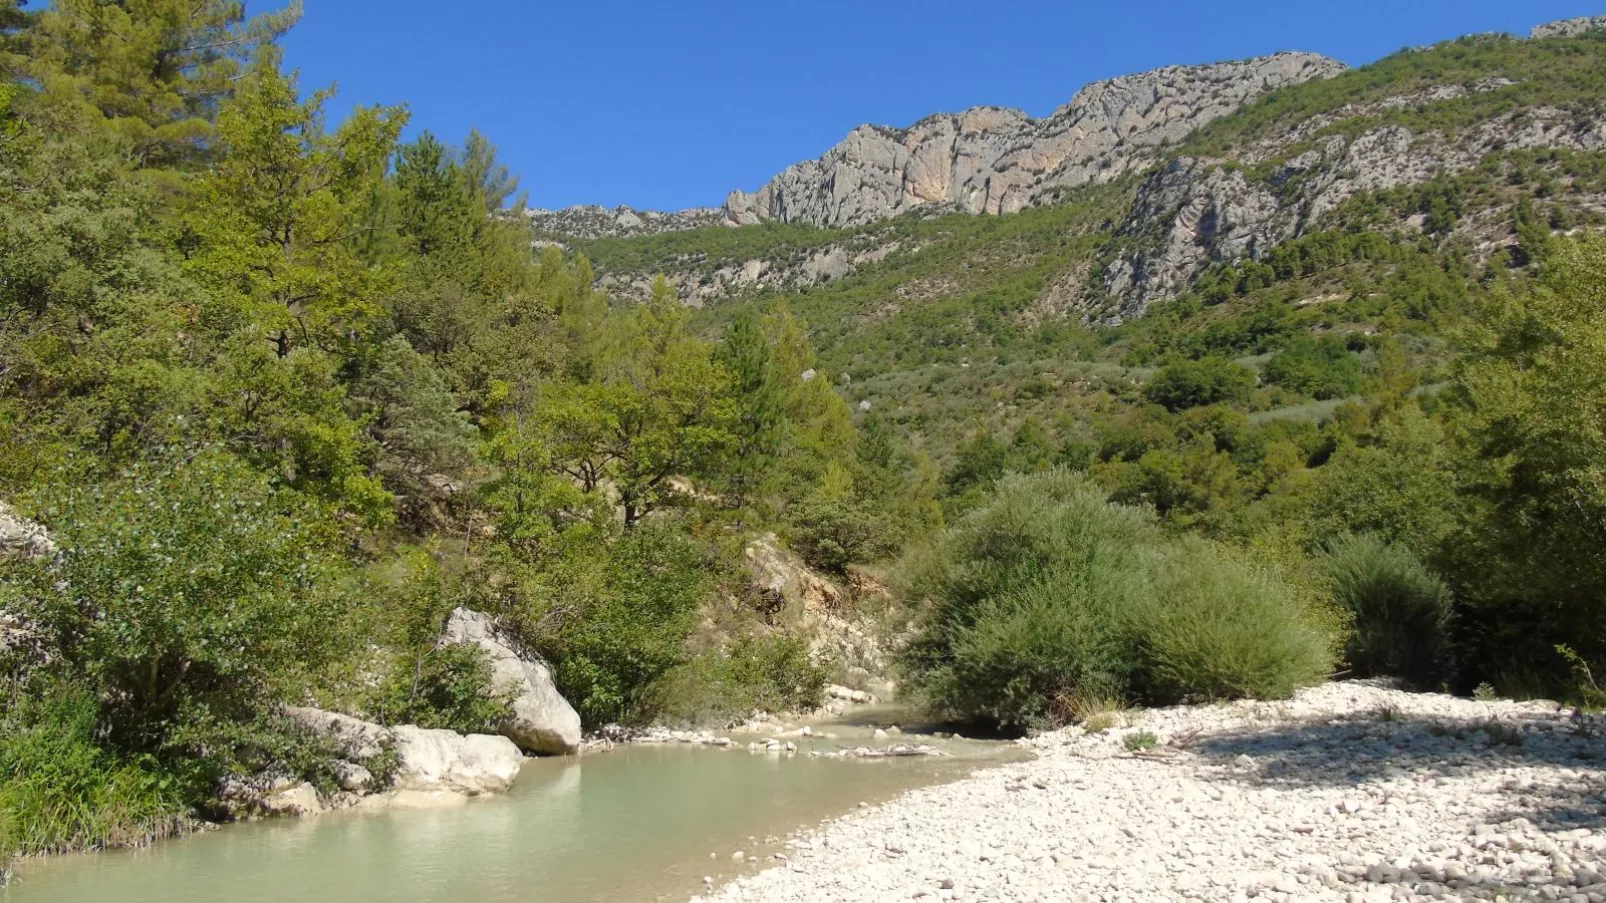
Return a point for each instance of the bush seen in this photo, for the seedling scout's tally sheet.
(1187, 384)
(1321, 368)
(1401, 610)
(763, 674)
(832, 533)
(446, 686)
(1023, 599)
(1220, 628)
(612, 615)
(184, 587)
(1049, 593)
(61, 791)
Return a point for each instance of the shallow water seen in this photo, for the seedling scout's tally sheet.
(638, 823)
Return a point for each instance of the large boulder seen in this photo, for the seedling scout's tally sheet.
(427, 761)
(543, 723)
(472, 765)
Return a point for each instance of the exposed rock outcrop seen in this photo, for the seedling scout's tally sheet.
(543, 722)
(22, 537)
(593, 221)
(1567, 28)
(818, 609)
(426, 761)
(996, 160)
(1196, 212)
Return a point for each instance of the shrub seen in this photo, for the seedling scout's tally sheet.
(447, 686)
(611, 615)
(1220, 627)
(763, 674)
(1187, 384)
(1321, 368)
(61, 791)
(183, 587)
(1064, 633)
(832, 533)
(1049, 594)
(1140, 741)
(1401, 610)
(1022, 599)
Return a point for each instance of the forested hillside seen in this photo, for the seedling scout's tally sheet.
(1319, 391)
(1345, 316)
(285, 391)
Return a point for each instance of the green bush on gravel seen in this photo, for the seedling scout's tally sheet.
(1049, 591)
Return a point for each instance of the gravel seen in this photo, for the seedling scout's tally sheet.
(1349, 792)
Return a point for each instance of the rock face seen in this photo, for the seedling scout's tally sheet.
(819, 610)
(427, 761)
(22, 538)
(996, 160)
(543, 722)
(1568, 28)
(592, 221)
(1195, 212)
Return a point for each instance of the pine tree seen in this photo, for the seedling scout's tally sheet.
(157, 71)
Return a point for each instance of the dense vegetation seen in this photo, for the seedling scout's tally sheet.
(287, 393)
(1393, 405)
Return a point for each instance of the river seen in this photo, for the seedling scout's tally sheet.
(637, 823)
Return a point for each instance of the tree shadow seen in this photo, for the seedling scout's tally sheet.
(1386, 746)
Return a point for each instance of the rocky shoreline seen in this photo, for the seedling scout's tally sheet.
(1350, 792)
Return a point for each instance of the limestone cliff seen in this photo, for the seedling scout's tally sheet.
(995, 160)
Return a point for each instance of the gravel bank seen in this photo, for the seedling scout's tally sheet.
(1350, 792)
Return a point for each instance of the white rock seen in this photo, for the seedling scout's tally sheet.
(543, 722)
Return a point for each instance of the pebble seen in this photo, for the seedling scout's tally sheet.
(1353, 792)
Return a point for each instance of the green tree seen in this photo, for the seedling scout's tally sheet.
(280, 213)
(188, 590)
(155, 70)
(760, 423)
(1187, 384)
(1319, 367)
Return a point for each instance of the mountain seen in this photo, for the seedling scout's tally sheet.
(995, 160)
(983, 160)
(1363, 203)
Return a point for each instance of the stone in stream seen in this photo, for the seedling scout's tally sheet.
(543, 722)
(427, 761)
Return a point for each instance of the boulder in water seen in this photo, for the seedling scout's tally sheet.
(543, 722)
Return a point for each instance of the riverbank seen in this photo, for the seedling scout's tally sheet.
(1349, 792)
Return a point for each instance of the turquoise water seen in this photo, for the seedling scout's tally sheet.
(638, 823)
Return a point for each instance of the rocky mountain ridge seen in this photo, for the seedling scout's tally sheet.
(998, 161)
(984, 160)
(1191, 199)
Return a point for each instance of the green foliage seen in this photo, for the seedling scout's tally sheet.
(611, 614)
(1531, 416)
(60, 790)
(1189, 384)
(1140, 741)
(833, 531)
(1400, 610)
(185, 585)
(1222, 627)
(754, 674)
(446, 686)
(1321, 368)
(1050, 591)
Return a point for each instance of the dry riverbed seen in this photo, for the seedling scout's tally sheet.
(1349, 792)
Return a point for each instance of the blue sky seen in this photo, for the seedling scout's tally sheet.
(671, 105)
